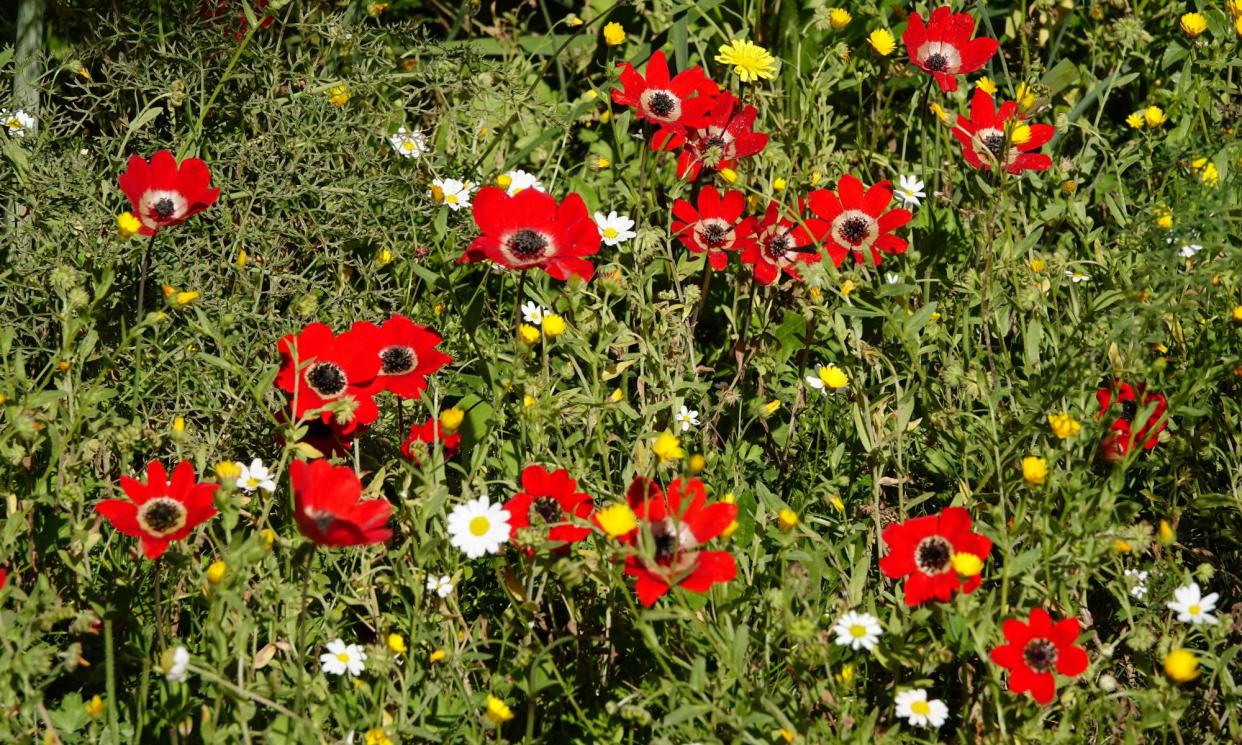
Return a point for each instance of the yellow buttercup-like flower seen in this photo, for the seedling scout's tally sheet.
(1206, 170)
(228, 470)
(986, 85)
(127, 225)
(940, 113)
(498, 712)
(882, 42)
(437, 655)
(338, 95)
(528, 334)
(833, 377)
(216, 572)
(668, 447)
(1181, 665)
(553, 325)
(1063, 425)
(1193, 24)
(1236, 315)
(966, 565)
(1155, 116)
(839, 18)
(749, 61)
(614, 34)
(1034, 469)
(696, 463)
(376, 736)
(787, 518)
(396, 644)
(1136, 120)
(1025, 97)
(94, 707)
(451, 419)
(616, 519)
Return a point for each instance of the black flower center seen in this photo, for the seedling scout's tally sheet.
(162, 516)
(326, 379)
(714, 141)
(854, 229)
(936, 63)
(527, 244)
(995, 143)
(397, 360)
(1040, 655)
(1129, 410)
(932, 555)
(713, 234)
(164, 208)
(661, 103)
(779, 245)
(665, 545)
(547, 508)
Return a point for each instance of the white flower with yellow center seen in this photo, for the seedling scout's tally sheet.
(409, 144)
(614, 228)
(533, 312)
(1192, 606)
(478, 527)
(17, 123)
(442, 585)
(914, 706)
(828, 378)
(1076, 276)
(910, 189)
(857, 630)
(520, 180)
(255, 476)
(343, 658)
(687, 419)
(455, 194)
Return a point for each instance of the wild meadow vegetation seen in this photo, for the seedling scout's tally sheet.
(718, 371)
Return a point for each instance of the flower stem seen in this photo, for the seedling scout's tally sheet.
(299, 640)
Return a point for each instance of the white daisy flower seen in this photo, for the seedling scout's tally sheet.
(178, 664)
(17, 123)
(1188, 250)
(533, 313)
(520, 180)
(914, 706)
(1138, 582)
(910, 189)
(614, 228)
(1191, 606)
(687, 419)
(1077, 276)
(409, 144)
(255, 476)
(442, 585)
(343, 658)
(478, 527)
(857, 630)
(456, 194)
(827, 378)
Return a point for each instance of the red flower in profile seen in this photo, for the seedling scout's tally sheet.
(407, 354)
(671, 529)
(327, 507)
(529, 229)
(777, 243)
(163, 193)
(985, 135)
(856, 220)
(1121, 437)
(318, 368)
(726, 137)
(715, 227)
(160, 511)
(678, 102)
(922, 550)
(427, 433)
(550, 500)
(944, 48)
(1034, 649)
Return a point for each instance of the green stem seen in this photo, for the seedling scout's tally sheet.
(301, 624)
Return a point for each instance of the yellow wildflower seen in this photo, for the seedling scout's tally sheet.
(771, 407)
(837, 504)
(1025, 96)
(528, 334)
(616, 396)
(1121, 546)
(1206, 170)
(178, 425)
(839, 18)
(846, 675)
(1164, 218)
(498, 712)
(668, 447)
(732, 527)
(182, 299)
(376, 736)
(503, 180)
(749, 61)
(1235, 8)
(529, 401)
(1167, 536)
(779, 184)
(1155, 116)
(729, 175)
(396, 644)
(94, 707)
(833, 377)
(940, 113)
(377, 8)
(1069, 186)
(1034, 469)
(601, 163)
(696, 463)
(1236, 315)
(1136, 120)
(216, 572)
(127, 225)
(553, 325)
(241, 259)
(614, 34)
(1063, 425)
(787, 518)
(986, 85)
(269, 537)
(882, 42)
(338, 95)
(1037, 265)
(451, 419)
(816, 177)
(227, 470)
(787, 735)
(437, 655)
(1181, 665)
(1193, 24)
(616, 519)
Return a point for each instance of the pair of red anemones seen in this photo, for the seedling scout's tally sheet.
(163, 193)
(531, 230)
(726, 137)
(319, 368)
(1123, 434)
(550, 505)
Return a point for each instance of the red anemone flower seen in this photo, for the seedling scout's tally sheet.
(726, 137)
(1034, 649)
(673, 526)
(678, 102)
(160, 511)
(856, 220)
(984, 137)
(715, 227)
(944, 48)
(777, 243)
(318, 368)
(922, 550)
(163, 193)
(529, 229)
(428, 433)
(550, 500)
(327, 507)
(1121, 437)
(407, 354)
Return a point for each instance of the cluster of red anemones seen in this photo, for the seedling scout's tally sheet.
(530, 230)
(338, 376)
(1129, 428)
(710, 127)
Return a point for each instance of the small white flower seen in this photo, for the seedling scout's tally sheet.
(1189, 249)
(442, 585)
(478, 527)
(178, 671)
(857, 630)
(914, 706)
(910, 189)
(456, 193)
(687, 419)
(533, 313)
(892, 278)
(1138, 582)
(409, 144)
(255, 476)
(16, 123)
(1191, 607)
(520, 180)
(614, 228)
(343, 658)
(1077, 276)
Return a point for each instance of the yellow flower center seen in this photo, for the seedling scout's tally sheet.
(1195, 610)
(610, 232)
(479, 526)
(408, 145)
(858, 631)
(921, 708)
(342, 657)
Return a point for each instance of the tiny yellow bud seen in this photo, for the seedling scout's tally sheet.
(498, 712)
(771, 407)
(1034, 469)
(816, 177)
(451, 419)
(553, 325)
(396, 644)
(269, 537)
(836, 503)
(966, 565)
(846, 675)
(438, 655)
(437, 193)
(696, 463)
(504, 180)
(1069, 186)
(1167, 536)
(787, 518)
(729, 175)
(1236, 315)
(385, 257)
(94, 707)
(182, 299)
(787, 735)
(616, 519)
(847, 287)
(614, 34)
(227, 470)
(127, 225)
(779, 184)
(1121, 546)
(602, 163)
(940, 112)
(241, 259)
(178, 425)
(1181, 666)
(616, 396)
(573, 21)
(215, 572)
(528, 334)
(529, 401)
